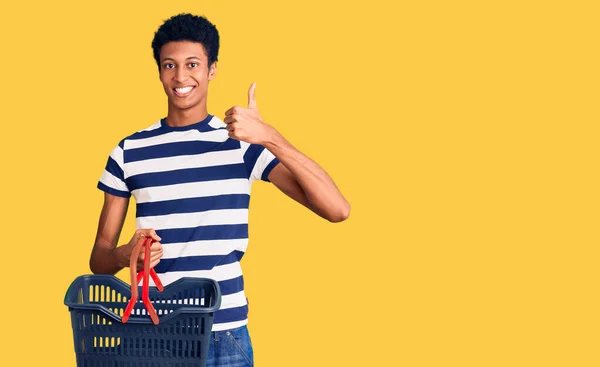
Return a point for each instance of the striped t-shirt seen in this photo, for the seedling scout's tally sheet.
(192, 185)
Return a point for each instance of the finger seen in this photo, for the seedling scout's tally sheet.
(154, 263)
(154, 236)
(231, 127)
(229, 119)
(159, 252)
(155, 258)
(232, 110)
(252, 97)
(148, 232)
(156, 246)
(141, 237)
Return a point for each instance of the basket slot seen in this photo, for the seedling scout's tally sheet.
(101, 294)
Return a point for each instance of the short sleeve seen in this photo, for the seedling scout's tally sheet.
(112, 180)
(259, 162)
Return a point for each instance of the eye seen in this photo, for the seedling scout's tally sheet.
(193, 64)
(169, 66)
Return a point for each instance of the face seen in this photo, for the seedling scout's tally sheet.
(185, 74)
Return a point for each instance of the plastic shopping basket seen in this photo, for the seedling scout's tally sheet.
(186, 310)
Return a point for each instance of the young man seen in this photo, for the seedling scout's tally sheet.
(191, 174)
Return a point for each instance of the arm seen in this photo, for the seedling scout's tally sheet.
(298, 176)
(305, 181)
(106, 257)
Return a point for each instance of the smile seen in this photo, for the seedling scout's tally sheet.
(183, 91)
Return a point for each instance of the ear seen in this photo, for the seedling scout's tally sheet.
(212, 71)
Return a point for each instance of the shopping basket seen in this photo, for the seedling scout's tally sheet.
(185, 307)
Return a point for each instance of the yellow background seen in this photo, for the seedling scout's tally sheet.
(463, 133)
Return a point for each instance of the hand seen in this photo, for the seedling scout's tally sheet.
(245, 124)
(156, 250)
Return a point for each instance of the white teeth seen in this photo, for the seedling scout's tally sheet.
(183, 90)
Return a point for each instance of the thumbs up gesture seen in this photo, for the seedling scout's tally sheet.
(245, 124)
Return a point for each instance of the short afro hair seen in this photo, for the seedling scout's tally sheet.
(187, 27)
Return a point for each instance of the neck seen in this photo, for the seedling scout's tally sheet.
(178, 117)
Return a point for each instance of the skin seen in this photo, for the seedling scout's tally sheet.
(185, 63)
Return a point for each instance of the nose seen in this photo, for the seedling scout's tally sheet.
(180, 75)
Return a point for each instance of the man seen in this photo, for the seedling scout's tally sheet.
(191, 175)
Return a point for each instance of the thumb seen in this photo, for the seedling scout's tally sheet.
(141, 238)
(252, 97)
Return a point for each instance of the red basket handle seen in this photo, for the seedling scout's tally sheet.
(143, 275)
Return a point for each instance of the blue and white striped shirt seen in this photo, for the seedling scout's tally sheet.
(192, 185)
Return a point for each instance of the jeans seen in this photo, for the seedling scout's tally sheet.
(230, 348)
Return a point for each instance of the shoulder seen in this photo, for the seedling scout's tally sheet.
(148, 132)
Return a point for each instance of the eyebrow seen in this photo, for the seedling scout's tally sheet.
(189, 58)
